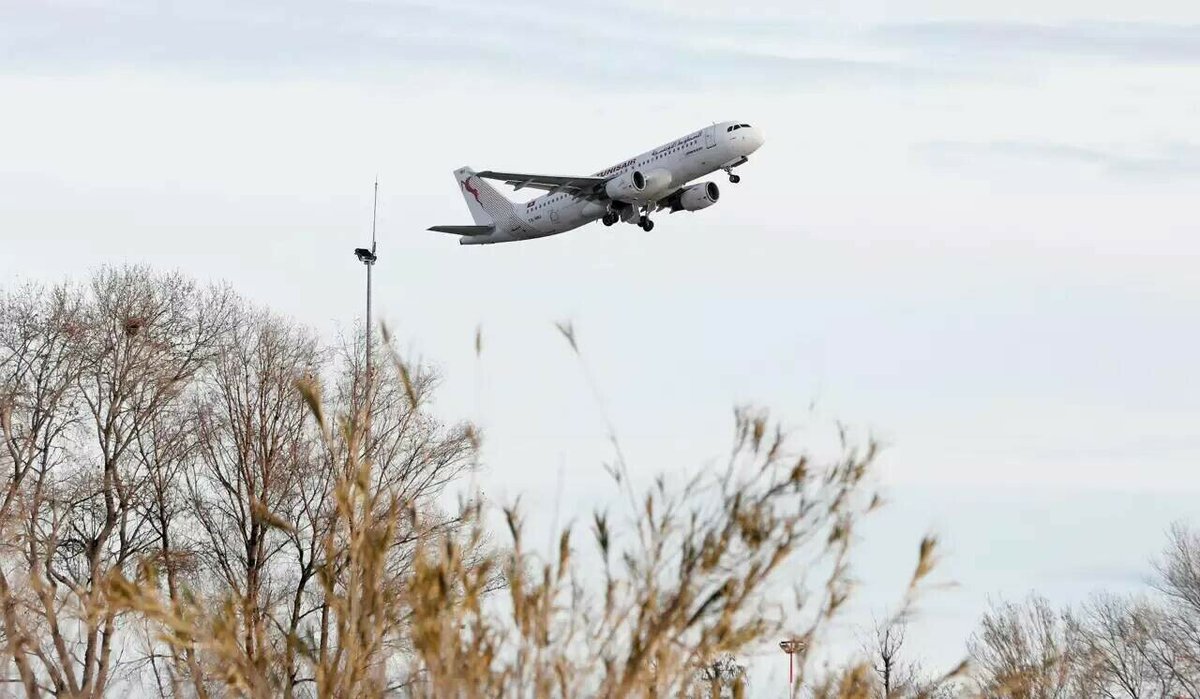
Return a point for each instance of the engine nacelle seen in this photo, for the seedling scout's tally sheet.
(658, 184)
(627, 187)
(698, 196)
(636, 187)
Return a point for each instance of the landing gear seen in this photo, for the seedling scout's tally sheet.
(646, 224)
(610, 218)
(735, 178)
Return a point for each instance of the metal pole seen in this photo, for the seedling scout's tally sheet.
(370, 264)
(367, 257)
(791, 647)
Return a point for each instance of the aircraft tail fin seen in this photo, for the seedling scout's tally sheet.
(487, 206)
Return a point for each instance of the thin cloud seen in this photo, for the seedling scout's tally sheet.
(1134, 42)
(380, 40)
(1101, 575)
(1175, 161)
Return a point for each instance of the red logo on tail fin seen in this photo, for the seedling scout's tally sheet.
(466, 185)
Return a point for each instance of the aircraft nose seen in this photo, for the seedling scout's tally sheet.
(756, 138)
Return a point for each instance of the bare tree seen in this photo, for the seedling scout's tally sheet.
(255, 448)
(169, 448)
(39, 384)
(261, 493)
(1112, 646)
(1177, 644)
(1029, 651)
(1116, 643)
(177, 514)
(897, 676)
(100, 365)
(412, 456)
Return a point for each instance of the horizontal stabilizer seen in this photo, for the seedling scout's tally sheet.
(464, 230)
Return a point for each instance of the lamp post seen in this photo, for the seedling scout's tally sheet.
(368, 258)
(791, 647)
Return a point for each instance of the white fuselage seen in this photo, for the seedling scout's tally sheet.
(700, 153)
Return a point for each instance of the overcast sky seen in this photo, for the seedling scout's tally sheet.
(973, 232)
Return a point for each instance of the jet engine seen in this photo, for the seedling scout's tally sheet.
(635, 187)
(698, 196)
(658, 183)
(627, 187)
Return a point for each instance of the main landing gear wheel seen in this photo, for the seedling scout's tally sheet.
(609, 219)
(735, 178)
(646, 224)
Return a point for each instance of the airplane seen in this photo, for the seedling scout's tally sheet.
(629, 191)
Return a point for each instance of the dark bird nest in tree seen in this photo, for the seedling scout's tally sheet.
(133, 326)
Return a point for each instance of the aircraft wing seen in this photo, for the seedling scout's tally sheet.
(551, 183)
(665, 202)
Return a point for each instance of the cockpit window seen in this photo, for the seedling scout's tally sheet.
(744, 126)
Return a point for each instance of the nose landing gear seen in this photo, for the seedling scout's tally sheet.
(735, 178)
